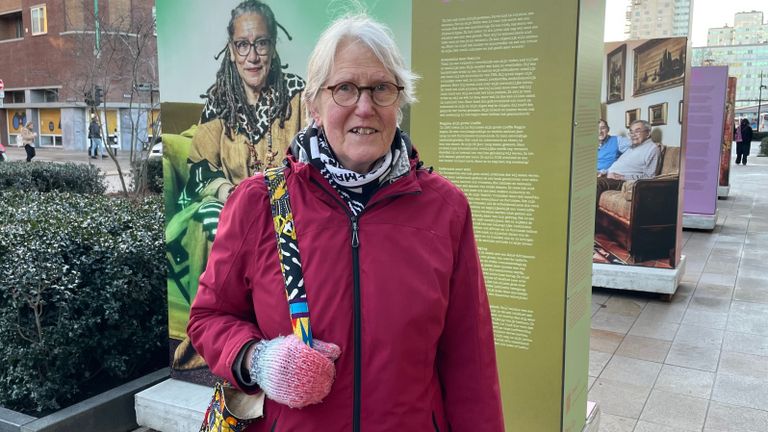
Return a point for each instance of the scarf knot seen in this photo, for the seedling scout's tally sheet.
(353, 187)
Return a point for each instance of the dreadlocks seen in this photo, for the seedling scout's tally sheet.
(228, 91)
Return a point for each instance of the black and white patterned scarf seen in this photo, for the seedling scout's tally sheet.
(265, 110)
(310, 146)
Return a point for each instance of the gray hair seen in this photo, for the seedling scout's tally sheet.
(646, 125)
(376, 36)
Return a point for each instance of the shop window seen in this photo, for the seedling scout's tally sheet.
(11, 26)
(39, 20)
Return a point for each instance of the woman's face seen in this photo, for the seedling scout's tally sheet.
(253, 68)
(362, 133)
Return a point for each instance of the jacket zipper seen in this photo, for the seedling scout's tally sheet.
(357, 324)
(356, 320)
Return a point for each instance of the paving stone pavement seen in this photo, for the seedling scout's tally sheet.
(698, 363)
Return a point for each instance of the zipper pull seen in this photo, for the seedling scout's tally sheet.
(355, 239)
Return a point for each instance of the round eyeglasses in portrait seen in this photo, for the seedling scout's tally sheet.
(262, 46)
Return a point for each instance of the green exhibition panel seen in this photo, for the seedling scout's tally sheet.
(508, 108)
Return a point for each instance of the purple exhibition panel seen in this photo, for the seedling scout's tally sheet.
(706, 110)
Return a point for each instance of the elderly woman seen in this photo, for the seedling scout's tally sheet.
(400, 316)
(252, 112)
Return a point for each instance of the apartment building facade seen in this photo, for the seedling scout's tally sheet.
(56, 55)
(748, 29)
(744, 49)
(648, 19)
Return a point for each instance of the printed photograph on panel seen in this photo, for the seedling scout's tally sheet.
(639, 150)
(246, 120)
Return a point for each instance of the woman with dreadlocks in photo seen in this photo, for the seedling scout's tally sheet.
(251, 114)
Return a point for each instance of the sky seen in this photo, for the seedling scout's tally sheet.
(706, 14)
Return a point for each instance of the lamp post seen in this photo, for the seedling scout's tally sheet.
(760, 100)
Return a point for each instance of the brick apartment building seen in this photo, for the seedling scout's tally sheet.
(50, 67)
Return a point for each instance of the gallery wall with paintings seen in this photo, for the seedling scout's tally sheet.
(638, 224)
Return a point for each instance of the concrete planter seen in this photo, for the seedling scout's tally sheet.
(111, 411)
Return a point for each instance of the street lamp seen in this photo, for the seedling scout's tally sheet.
(760, 100)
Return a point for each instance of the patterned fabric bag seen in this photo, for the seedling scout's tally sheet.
(231, 410)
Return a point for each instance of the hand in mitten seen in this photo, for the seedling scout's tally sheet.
(291, 373)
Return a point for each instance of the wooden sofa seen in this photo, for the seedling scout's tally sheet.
(642, 216)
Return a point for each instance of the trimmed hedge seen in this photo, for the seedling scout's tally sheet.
(154, 175)
(82, 296)
(48, 177)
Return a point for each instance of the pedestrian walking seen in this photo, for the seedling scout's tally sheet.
(28, 136)
(94, 134)
(743, 142)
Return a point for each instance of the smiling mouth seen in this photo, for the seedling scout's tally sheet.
(363, 131)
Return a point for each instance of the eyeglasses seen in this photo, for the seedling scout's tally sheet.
(347, 94)
(243, 47)
(636, 131)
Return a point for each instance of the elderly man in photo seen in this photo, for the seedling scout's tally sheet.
(638, 162)
(609, 147)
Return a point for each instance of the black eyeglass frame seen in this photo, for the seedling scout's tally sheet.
(360, 92)
(253, 46)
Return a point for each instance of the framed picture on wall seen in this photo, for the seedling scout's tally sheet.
(630, 116)
(680, 112)
(659, 64)
(615, 71)
(657, 114)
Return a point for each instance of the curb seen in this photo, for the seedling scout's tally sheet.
(112, 410)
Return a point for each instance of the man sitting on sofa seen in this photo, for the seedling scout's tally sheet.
(609, 147)
(638, 162)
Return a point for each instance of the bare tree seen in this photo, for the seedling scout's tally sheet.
(118, 54)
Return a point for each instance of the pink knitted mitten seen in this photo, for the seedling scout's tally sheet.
(293, 374)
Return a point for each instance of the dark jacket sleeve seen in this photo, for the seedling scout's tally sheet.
(746, 134)
(222, 320)
(466, 357)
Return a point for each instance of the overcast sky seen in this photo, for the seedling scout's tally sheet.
(706, 14)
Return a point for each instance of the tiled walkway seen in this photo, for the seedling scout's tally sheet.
(699, 362)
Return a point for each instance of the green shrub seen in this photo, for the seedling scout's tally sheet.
(49, 176)
(82, 296)
(152, 169)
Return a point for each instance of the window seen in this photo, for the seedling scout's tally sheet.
(39, 20)
(11, 26)
(14, 96)
(51, 95)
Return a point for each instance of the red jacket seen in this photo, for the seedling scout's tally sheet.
(425, 357)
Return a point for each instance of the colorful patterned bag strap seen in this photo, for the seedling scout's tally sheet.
(288, 250)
